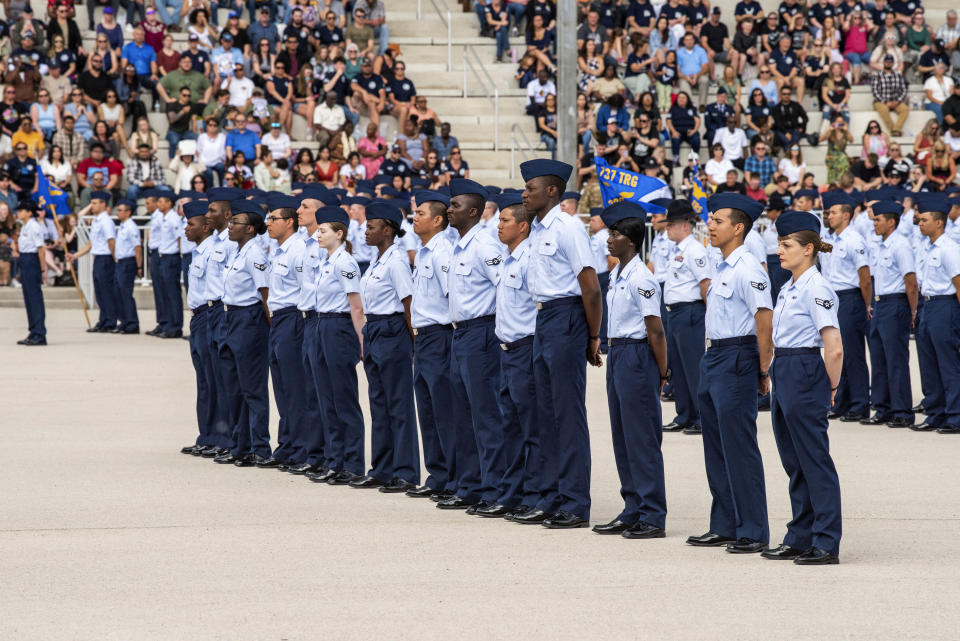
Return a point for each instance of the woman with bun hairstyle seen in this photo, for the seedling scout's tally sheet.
(804, 383)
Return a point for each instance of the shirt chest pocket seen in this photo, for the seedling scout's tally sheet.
(198, 267)
(281, 269)
(513, 281)
(425, 271)
(841, 251)
(462, 269)
(886, 261)
(934, 260)
(218, 256)
(546, 255)
(724, 293)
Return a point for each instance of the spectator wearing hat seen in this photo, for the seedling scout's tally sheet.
(226, 57)
(951, 109)
(930, 57)
(890, 94)
(368, 90)
(24, 25)
(186, 166)
(240, 87)
(264, 28)
(23, 78)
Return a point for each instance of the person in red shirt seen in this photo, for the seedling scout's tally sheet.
(153, 30)
(97, 161)
(754, 190)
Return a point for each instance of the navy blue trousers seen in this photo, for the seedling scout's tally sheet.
(30, 279)
(289, 389)
(926, 356)
(387, 356)
(224, 372)
(941, 330)
(475, 365)
(185, 260)
(633, 396)
(522, 482)
(105, 290)
(604, 279)
(778, 275)
(560, 371)
(156, 278)
(126, 274)
(889, 340)
(686, 342)
(246, 337)
(338, 352)
(728, 415)
(671, 353)
(314, 434)
(853, 390)
(799, 406)
(172, 296)
(206, 379)
(438, 408)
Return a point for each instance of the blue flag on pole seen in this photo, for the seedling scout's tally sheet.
(698, 199)
(50, 197)
(618, 184)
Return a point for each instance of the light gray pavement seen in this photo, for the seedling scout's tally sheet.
(107, 532)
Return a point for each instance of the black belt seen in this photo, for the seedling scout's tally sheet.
(153, 251)
(162, 255)
(687, 303)
(214, 303)
(489, 318)
(526, 340)
(430, 329)
(234, 308)
(120, 260)
(284, 311)
(928, 299)
(852, 290)
(199, 310)
(310, 313)
(728, 342)
(795, 351)
(321, 315)
(890, 297)
(625, 341)
(373, 318)
(560, 302)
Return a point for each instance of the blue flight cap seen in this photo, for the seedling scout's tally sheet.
(596, 211)
(508, 199)
(875, 194)
(195, 208)
(570, 195)
(680, 210)
(166, 193)
(282, 202)
(831, 198)
(246, 207)
(809, 193)
(189, 193)
(621, 211)
(790, 222)
(339, 192)
(512, 190)
(462, 186)
(100, 195)
(422, 183)
(257, 192)
(385, 210)
(661, 202)
(493, 190)
(364, 186)
(298, 185)
(224, 193)
(425, 195)
(383, 180)
(332, 214)
(887, 207)
(148, 193)
(545, 167)
(389, 191)
(932, 202)
(443, 189)
(747, 205)
(132, 204)
(363, 201)
(952, 190)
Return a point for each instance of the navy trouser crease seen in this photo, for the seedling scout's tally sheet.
(246, 347)
(338, 352)
(289, 390)
(228, 398)
(889, 341)
(853, 390)
(126, 274)
(926, 356)
(686, 342)
(436, 407)
(523, 477)
(604, 280)
(799, 406)
(105, 289)
(30, 280)
(156, 278)
(313, 424)
(206, 379)
(941, 330)
(185, 260)
(172, 296)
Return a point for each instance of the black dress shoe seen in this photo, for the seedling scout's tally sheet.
(366, 483)
(615, 526)
(746, 546)
(96, 329)
(302, 468)
(900, 422)
(32, 342)
(918, 409)
(925, 427)
(154, 331)
(666, 396)
(816, 556)
(422, 492)
(213, 452)
(517, 511)
(115, 330)
(176, 334)
(782, 553)
(269, 462)
(200, 449)
(709, 540)
(472, 510)
(320, 475)
(693, 430)
(343, 478)
(564, 520)
(397, 486)
(644, 530)
(853, 418)
(129, 331)
(454, 503)
(497, 510)
(189, 449)
(251, 460)
(876, 419)
(673, 426)
(442, 495)
(531, 517)
(225, 458)
(949, 429)
(834, 415)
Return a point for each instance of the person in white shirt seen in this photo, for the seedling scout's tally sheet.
(718, 166)
(537, 91)
(239, 86)
(102, 244)
(733, 140)
(792, 165)
(603, 264)
(328, 119)
(277, 142)
(212, 151)
(185, 167)
(937, 89)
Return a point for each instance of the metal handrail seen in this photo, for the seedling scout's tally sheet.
(447, 21)
(515, 144)
(476, 67)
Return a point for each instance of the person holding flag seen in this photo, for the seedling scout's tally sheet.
(618, 184)
(103, 235)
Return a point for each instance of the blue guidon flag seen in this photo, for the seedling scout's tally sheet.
(698, 199)
(50, 197)
(618, 184)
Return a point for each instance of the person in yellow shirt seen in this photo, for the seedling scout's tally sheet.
(29, 136)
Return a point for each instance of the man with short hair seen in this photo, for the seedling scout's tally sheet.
(537, 91)
(128, 251)
(263, 29)
(376, 18)
(733, 140)
(94, 82)
(181, 118)
(240, 87)
(715, 40)
(244, 140)
(693, 69)
(789, 120)
(102, 244)
(785, 65)
(866, 173)
(890, 94)
(368, 88)
(70, 141)
(359, 33)
(717, 114)
(144, 172)
(142, 57)
(328, 120)
(185, 76)
(759, 163)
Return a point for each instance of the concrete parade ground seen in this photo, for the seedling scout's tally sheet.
(107, 532)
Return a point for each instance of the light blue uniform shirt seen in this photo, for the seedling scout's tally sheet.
(560, 250)
(31, 237)
(128, 239)
(337, 276)
(756, 245)
(197, 292)
(940, 267)
(410, 241)
(688, 266)
(803, 309)
(660, 249)
(953, 229)
(863, 225)
(156, 230)
(920, 251)
(221, 257)
(362, 252)
(474, 273)
(309, 264)
(633, 295)
(286, 269)
(490, 227)
(387, 282)
(186, 246)
(739, 288)
(170, 233)
(430, 305)
(102, 230)
(598, 245)
(771, 238)
(892, 260)
(840, 267)
(516, 310)
(245, 276)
